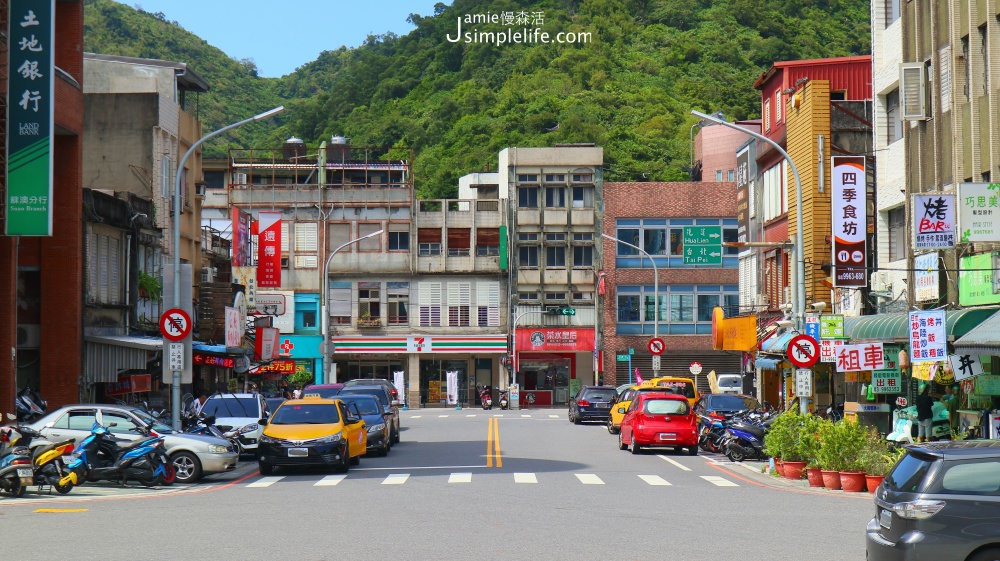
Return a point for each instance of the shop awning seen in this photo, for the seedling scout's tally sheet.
(767, 363)
(107, 355)
(888, 328)
(777, 345)
(984, 339)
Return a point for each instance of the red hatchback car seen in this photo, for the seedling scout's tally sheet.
(657, 419)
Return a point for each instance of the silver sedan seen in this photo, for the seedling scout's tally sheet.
(193, 455)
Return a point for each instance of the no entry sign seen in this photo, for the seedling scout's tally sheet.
(803, 351)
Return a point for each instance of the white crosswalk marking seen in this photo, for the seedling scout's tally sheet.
(266, 481)
(525, 478)
(674, 462)
(396, 479)
(460, 478)
(472, 415)
(589, 479)
(719, 481)
(330, 480)
(654, 480)
(443, 416)
(416, 416)
(526, 416)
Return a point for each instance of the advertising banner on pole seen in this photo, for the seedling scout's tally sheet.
(934, 218)
(850, 221)
(928, 339)
(30, 117)
(452, 377)
(269, 250)
(926, 277)
(242, 244)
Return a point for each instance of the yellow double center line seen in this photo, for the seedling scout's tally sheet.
(493, 443)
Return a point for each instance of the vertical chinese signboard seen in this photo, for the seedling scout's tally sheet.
(934, 217)
(743, 196)
(242, 244)
(850, 221)
(269, 250)
(928, 339)
(30, 118)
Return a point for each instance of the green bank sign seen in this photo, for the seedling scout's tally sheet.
(30, 105)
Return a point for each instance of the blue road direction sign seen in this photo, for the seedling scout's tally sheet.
(703, 245)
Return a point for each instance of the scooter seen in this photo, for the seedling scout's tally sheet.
(745, 439)
(100, 457)
(504, 404)
(30, 405)
(47, 459)
(486, 397)
(16, 474)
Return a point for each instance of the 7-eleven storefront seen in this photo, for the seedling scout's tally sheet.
(426, 363)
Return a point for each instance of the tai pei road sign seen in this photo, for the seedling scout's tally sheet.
(703, 245)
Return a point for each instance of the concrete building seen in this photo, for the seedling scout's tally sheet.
(41, 276)
(420, 300)
(556, 209)
(676, 303)
(138, 121)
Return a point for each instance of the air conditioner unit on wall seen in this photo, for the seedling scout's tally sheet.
(29, 336)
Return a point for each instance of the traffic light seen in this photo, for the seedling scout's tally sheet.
(562, 311)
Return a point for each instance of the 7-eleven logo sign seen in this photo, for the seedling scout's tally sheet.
(418, 344)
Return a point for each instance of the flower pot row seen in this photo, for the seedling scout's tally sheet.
(847, 481)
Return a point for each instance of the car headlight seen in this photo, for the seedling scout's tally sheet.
(248, 428)
(328, 439)
(376, 428)
(217, 449)
(264, 439)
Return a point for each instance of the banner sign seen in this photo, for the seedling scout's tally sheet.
(266, 343)
(281, 366)
(979, 212)
(30, 117)
(269, 250)
(965, 366)
(213, 360)
(743, 195)
(242, 244)
(234, 327)
(976, 280)
(829, 349)
(890, 378)
(926, 277)
(868, 356)
(850, 221)
(934, 217)
(831, 326)
(928, 339)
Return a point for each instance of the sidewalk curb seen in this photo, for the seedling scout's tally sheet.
(778, 482)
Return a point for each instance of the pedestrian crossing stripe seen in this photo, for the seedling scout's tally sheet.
(589, 479)
(396, 479)
(655, 480)
(330, 480)
(265, 481)
(720, 481)
(466, 477)
(525, 478)
(460, 478)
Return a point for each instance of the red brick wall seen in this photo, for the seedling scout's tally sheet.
(659, 200)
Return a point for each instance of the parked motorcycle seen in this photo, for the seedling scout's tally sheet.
(504, 403)
(713, 430)
(16, 474)
(99, 457)
(47, 459)
(745, 437)
(30, 405)
(486, 397)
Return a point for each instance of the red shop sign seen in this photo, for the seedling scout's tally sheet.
(555, 339)
(212, 360)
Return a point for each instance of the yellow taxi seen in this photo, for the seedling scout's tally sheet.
(623, 399)
(678, 385)
(312, 431)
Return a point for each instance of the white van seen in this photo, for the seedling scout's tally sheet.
(725, 383)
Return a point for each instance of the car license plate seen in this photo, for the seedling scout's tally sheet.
(24, 472)
(298, 452)
(602, 405)
(885, 518)
(668, 436)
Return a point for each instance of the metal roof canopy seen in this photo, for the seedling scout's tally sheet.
(893, 327)
(984, 339)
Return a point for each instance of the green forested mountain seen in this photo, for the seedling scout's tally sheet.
(630, 88)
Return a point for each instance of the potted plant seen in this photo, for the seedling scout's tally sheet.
(809, 444)
(793, 456)
(778, 437)
(876, 458)
(852, 445)
(828, 455)
(150, 287)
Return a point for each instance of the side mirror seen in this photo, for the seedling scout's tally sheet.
(262, 421)
(621, 410)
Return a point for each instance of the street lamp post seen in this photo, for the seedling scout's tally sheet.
(323, 290)
(798, 260)
(656, 284)
(175, 390)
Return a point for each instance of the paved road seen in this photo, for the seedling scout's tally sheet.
(462, 484)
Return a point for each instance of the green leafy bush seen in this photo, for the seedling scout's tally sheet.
(841, 446)
(781, 439)
(876, 456)
(809, 439)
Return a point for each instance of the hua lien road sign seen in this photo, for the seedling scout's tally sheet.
(703, 245)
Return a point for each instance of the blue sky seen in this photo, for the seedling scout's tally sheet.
(282, 36)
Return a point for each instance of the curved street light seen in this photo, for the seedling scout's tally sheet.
(175, 390)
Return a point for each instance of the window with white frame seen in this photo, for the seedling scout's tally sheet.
(527, 297)
(429, 302)
(306, 245)
(774, 192)
(583, 197)
(488, 304)
(104, 269)
(777, 106)
(397, 305)
(370, 300)
(767, 114)
(718, 176)
(459, 303)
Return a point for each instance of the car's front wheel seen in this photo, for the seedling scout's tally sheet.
(265, 468)
(187, 467)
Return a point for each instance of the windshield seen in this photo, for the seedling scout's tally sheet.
(232, 406)
(377, 392)
(157, 425)
(321, 392)
(367, 405)
(306, 414)
(599, 395)
(666, 407)
(731, 403)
